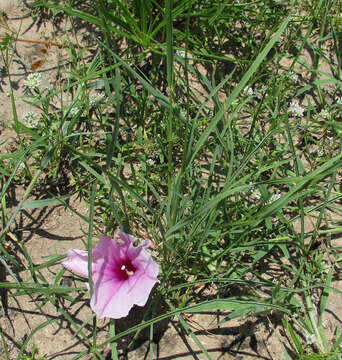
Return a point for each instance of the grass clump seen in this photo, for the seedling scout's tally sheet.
(211, 128)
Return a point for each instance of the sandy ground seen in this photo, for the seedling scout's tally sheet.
(50, 231)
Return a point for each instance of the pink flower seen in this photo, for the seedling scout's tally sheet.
(123, 274)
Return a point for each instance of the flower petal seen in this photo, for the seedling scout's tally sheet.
(108, 250)
(126, 238)
(114, 299)
(139, 288)
(77, 261)
(108, 299)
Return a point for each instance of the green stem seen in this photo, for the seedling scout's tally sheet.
(113, 344)
(311, 314)
(90, 236)
(170, 82)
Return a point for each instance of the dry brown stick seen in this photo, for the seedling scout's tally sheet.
(41, 42)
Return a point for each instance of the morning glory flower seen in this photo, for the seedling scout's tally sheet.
(123, 274)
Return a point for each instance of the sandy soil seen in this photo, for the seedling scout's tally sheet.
(51, 231)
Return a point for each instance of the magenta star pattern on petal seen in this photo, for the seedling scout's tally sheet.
(123, 274)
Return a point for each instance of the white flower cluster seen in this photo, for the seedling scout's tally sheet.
(180, 53)
(96, 99)
(274, 198)
(74, 111)
(310, 338)
(21, 167)
(150, 162)
(324, 113)
(293, 76)
(248, 91)
(31, 119)
(295, 109)
(255, 193)
(33, 81)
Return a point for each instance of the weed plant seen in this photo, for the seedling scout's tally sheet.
(212, 128)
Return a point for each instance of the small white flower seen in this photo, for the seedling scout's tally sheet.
(324, 113)
(180, 53)
(96, 99)
(248, 91)
(293, 76)
(33, 81)
(260, 93)
(274, 198)
(30, 119)
(320, 152)
(325, 267)
(21, 167)
(74, 111)
(339, 101)
(295, 109)
(251, 187)
(310, 339)
(150, 162)
(183, 114)
(255, 193)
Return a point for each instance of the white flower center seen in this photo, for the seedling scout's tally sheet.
(128, 272)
